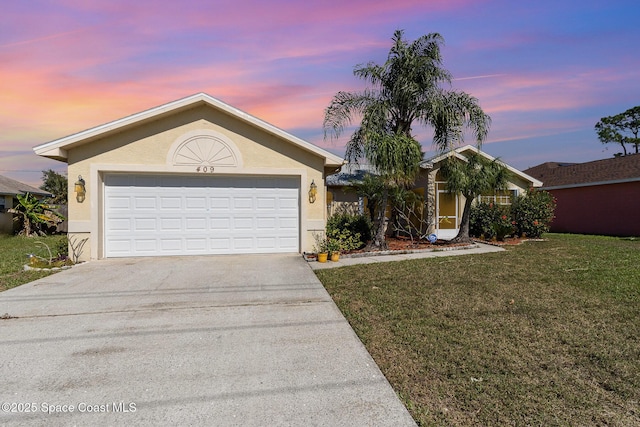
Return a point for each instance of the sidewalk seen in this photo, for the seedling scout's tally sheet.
(476, 248)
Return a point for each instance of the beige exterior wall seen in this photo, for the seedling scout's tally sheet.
(149, 148)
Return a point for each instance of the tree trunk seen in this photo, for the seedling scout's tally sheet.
(378, 242)
(392, 229)
(624, 148)
(463, 232)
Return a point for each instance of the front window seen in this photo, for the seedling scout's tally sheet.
(504, 197)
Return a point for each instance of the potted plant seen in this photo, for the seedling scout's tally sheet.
(333, 246)
(321, 246)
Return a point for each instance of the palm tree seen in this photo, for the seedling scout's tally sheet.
(406, 89)
(472, 178)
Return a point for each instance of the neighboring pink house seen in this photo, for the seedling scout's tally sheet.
(599, 197)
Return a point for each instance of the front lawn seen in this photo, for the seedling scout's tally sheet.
(13, 256)
(545, 333)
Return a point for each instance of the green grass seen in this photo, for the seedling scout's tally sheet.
(545, 333)
(13, 256)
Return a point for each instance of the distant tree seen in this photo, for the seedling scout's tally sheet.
(621, 129)
(56, 184)
(406, 89)
(471, 179)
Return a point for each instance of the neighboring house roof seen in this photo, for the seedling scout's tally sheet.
(607, 171)
(57, 149)
(11, 187)
(349, 174)
(459, 153)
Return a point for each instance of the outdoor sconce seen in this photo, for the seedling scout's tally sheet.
(313, 191)
(80, 190)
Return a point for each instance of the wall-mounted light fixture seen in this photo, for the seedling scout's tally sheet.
(313, 191)
(80, 190)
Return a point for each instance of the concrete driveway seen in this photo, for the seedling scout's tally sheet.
(218, 340)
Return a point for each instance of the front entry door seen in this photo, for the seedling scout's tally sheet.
(447, 214)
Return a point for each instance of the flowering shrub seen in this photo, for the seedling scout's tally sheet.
(489, 220)
(502, 223)
(533, 213)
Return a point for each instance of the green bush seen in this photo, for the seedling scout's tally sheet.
(533, 213)
(481, 220)
(62, 247)
(503, 225)
(352, 231)
(490, 220)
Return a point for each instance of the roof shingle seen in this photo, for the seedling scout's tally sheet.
(554, 174)
(12, 187)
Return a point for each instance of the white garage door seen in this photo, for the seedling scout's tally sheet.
(149, 215)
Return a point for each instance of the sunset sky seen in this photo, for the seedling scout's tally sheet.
(545, 71)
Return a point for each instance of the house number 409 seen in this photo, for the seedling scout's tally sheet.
(205, 169)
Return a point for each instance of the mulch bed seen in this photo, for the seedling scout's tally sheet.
(405, 245)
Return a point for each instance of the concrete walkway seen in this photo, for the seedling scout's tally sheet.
(480, 248)
(218, 340)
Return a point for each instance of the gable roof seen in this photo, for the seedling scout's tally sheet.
(459, 153)
(11, 187)
(606, 171)
(57, 149)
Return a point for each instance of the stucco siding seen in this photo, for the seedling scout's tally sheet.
(147, 148)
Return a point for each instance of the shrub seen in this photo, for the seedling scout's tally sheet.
(502, 225)
(481, 220)
(352, 231)
(533, 213)
(62, 247)
(490, 220)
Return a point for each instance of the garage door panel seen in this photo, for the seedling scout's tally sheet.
(200, 215)
(196, 224)
(243, 203)
(170, 246)
(120, 203)
(266, 203)
(219, 203)
(288, 203)
(145, 245)
(243, 224)
(119, 224)
(266, 223)
(196, 244)
(196, 203)
(243, 243)
(220, 224)
(122, 246)
(145, 202)
(145, 224)
(170, 224)
(170, 202)
(220, 244)
(266, 242)
(290, 243)
(288, 223)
